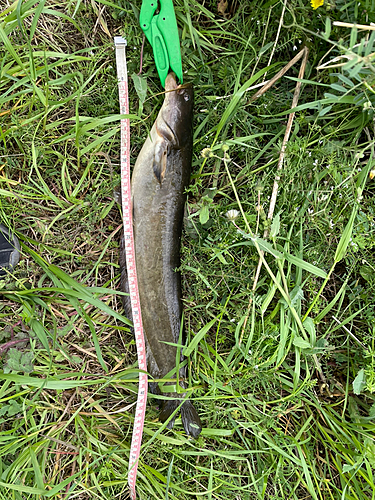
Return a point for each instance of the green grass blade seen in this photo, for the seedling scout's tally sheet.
(346, 236)
(198, 337)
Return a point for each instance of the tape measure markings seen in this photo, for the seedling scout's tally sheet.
(122, 74)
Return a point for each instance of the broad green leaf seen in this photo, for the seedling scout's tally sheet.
(356, 69)
(327, 32)
(296, 295)
(353, 36)
(19, 361)
(346, 80)
(310, 328)
(275, 226)
(204, 214)
(348, 467)
(140, 84)
(359, 382)
(310, 268)
(339, 88)
(367, 273)
(265, 48)
(11, 409)
(301, 343)
(324, 111)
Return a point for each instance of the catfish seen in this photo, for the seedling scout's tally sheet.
(158, 189)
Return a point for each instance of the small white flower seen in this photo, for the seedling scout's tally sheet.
(232, 215)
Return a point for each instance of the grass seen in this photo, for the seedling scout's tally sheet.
(282, 368)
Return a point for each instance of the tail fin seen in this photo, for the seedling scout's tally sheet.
(167, 409)
(190, 418)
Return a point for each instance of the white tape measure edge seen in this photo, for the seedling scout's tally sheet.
(122, 74)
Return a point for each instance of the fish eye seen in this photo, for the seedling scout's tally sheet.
(186, 97)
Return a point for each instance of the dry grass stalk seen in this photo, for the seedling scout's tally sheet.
(353, 25)
(277, 37)
(278, 75)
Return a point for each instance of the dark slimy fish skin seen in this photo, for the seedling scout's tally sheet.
(160, 177)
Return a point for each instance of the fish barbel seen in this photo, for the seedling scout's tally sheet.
(159, 180)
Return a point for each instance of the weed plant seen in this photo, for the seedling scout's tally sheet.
(282, 367)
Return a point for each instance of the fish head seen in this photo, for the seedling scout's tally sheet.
(177, 110)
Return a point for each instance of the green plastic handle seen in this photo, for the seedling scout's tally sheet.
(162, 33)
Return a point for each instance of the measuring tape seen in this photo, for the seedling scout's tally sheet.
(122, 74)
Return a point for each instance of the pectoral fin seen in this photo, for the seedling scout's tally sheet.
(160, 160)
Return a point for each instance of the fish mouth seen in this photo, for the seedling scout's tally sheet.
(171, 82)
(172, 85)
